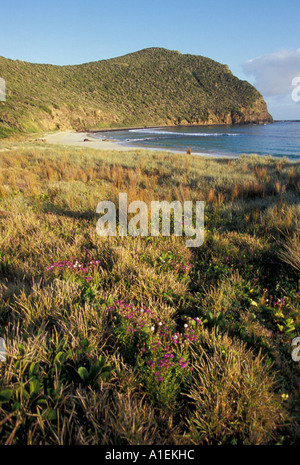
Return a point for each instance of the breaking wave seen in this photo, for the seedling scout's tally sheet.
(183, 134)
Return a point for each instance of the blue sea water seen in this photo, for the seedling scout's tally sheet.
(279, 139)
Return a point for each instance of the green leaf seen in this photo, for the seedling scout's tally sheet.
(83, 373)
(5, 396)
(110, 300)
(42, 402)
(23, 392)
(50, 414)
(106, 373)
(57, 358)
(17, 365)
(94, 370)
(33, 369)
(102, 360)
(34, 388)
(209, 315)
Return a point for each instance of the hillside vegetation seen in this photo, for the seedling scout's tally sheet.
(150, 87)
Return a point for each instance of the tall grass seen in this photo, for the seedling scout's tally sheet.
(142, 340)
(291, 250)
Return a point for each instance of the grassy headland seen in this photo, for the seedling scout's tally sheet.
(142, 340)
(150, 87)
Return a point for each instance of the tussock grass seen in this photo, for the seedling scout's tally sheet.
(232, 394)
(76, 372)
(291, 250)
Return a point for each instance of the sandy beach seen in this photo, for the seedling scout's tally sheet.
(86, 139)
(83, 139)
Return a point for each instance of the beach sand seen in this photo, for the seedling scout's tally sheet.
(78, 139)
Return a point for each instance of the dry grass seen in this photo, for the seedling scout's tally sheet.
(291, 250)
(232, 394)
(55, 322)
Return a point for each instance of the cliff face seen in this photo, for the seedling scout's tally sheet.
(150, 87)
(257, 113)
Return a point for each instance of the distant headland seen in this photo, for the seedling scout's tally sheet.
(154, 86)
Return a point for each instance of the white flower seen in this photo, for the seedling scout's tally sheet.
(160, 323)
(152, 328)
(186, 325)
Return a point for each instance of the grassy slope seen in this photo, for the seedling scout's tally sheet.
(58, 322)
(153, 86)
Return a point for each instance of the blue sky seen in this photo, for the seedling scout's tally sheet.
(259, 40)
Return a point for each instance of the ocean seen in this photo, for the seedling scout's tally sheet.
(279, 139)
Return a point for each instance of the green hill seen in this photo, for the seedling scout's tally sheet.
(150, 87)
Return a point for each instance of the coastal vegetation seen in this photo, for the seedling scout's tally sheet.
(151, 87)
(141, 340)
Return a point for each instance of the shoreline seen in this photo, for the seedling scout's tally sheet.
(88, 140)
(82, 139)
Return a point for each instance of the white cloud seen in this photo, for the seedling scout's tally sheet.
(274, 72)
(283, 107)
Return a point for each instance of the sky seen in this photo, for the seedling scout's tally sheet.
(258, 40)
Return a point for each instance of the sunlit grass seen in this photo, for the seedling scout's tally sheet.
(83, 369)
